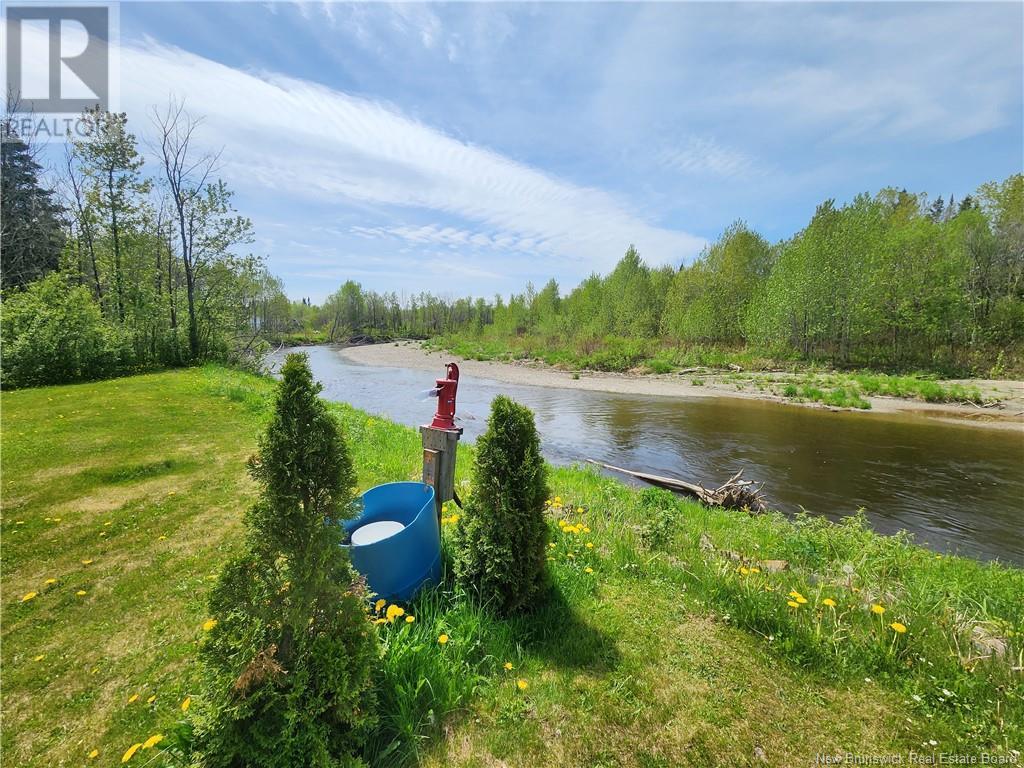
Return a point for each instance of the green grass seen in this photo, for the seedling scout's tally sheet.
(679, 648)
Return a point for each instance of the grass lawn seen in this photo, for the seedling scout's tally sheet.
(676, 639)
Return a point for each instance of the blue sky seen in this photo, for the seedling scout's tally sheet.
(467, 148)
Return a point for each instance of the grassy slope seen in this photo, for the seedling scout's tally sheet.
(660, 657)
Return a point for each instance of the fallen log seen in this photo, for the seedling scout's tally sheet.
(736, 493)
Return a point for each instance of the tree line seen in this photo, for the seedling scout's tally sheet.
(892, 280)
(112, 269)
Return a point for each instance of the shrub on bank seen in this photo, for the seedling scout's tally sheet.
(500, 547)
(289, 651)
(54, 333)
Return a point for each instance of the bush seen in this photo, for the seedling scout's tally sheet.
(287, 662)
(500, 547)
(54, 333)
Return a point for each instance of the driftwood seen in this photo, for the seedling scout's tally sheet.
(735, 493)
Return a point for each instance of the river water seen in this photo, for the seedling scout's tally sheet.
(956, 488)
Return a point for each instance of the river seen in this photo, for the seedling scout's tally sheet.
(958, 489)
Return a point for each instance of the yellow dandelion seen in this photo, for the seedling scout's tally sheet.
(878, 609)
(792, 603)
(508, 665)
(743, 570)
(551, 544)
(829, 602)
(209, 624)
(28, 596)
(442, 639)
(186, 704)
(394, 612)
(161, 538)
(795, 595)
(801, 599)
(90, 561)
(522, 684)
(94, 754)
(81, 593)
(131, 751)
(754, 569)
(40, 657)
(590, 545)
(153, 740)
(586, 530)
(410, 619)
(379, 604)
(133, 698)
(380, 621)
(50, 582)
(558, 499)
(898, 628)
(151, 699)
(588, 569)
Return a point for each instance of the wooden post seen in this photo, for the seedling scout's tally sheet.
(440, 447)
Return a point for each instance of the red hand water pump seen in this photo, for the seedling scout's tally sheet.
(447, 388)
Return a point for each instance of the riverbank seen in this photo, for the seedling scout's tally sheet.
(684, 636)
(1007, 414)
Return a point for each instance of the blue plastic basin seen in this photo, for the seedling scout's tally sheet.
(398, 566)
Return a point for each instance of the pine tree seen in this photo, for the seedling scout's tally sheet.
(288, 662)
(501, 545)
(31, 237)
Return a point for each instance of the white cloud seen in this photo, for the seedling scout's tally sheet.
(706, 156)
(304, 140)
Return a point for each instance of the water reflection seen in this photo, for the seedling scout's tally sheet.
(957, 488)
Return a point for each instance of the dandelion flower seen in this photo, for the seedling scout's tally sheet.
(442, 639)
(28, 596)
(878, 609)
(551, 544)
(380, 621)
(522, 684)
(755, 570)
(153, 740)
(379, 604)
(508, 665)
(49, 582)
(40, 657)
(131, 751)
(394, 612)
(590, 545)
(586, 530)
(133, 698)
(743, 570)
(801, 599)
(410, 619)
(209, 624)
(88, 562)
(898, 628)
(588, 569)
(81, 593)
(795, 595)
(151, 699)
(186, 704)
(829, 602)
(94, 754)
(558, 499)
(792, 603)
(161, 538)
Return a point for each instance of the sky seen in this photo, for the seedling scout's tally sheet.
(467, 148)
